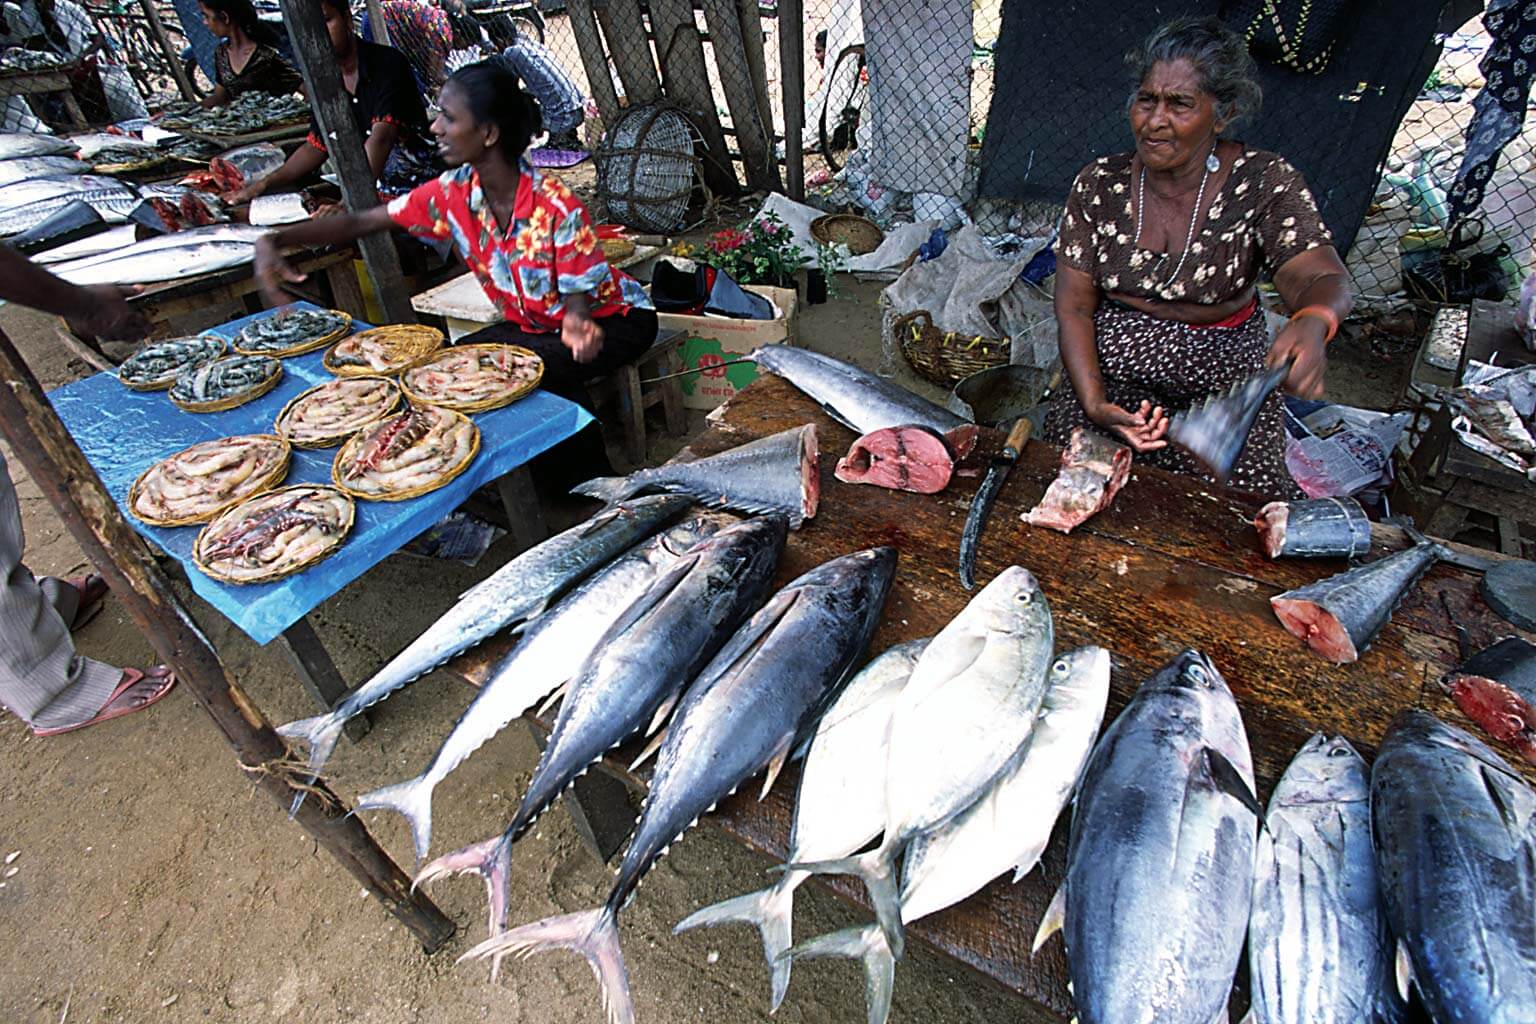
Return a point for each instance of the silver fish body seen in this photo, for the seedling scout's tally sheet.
(14, 145)
(1319, 951)
(165, 264)
(26, 167)
(21, 193)
(1338, 617)
(92, 245)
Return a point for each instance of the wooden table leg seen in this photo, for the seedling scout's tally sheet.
(76, 115)
(345, 291)
(599, 807)
(318, 673)
(632, 413)
(525, 516)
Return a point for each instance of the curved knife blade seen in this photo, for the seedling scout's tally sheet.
(986, 494)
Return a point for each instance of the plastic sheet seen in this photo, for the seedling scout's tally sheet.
(123, 432)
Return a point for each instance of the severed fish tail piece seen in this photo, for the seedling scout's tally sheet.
(1215, 431)
(1339, 617)
(1317, 528)
(867, 945)
(592, 933)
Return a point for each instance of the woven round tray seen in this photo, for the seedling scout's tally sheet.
(405, 345)
(258, 485)
(616, 248)
(299, 348)
(481, 405)
(216, 347)
(944, 357)
(860, 234)
(238, 399)
(334, 439)
(237, 511)
(349, 449)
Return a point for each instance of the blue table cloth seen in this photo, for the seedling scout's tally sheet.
(123, 432)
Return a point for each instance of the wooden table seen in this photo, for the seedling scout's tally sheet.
(1171, 565)
(46, 82)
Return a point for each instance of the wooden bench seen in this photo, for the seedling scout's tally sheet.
(624, 387)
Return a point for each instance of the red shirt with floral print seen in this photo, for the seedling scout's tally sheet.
(548, 251)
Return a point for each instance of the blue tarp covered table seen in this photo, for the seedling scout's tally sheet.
(123, 432)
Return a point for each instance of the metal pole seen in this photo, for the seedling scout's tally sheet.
(792, 67)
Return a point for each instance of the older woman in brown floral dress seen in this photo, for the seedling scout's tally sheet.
(1160, 252)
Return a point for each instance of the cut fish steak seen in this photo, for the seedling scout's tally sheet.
(1496, 688)
(1338, 617)
(1093, 469)
(1317, 528)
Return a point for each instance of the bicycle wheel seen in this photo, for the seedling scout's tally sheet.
(847, 94)
(529, 24)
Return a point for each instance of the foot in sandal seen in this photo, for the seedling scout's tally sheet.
(92, 590)
(136, 690)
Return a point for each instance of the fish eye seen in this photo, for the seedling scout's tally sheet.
(1026, 598)
(1059, 667)
(1338, 752)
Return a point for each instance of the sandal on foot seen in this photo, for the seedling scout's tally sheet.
(93, 590)
(135, 691)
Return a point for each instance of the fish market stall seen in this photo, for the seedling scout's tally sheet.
(1171, 564)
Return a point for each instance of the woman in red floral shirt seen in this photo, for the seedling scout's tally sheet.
(522, 233)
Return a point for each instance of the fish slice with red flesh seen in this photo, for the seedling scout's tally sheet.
(1093, 469)
(899, 458)
(1496, 688)
(1338, 617)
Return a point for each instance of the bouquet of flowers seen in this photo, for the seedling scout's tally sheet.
(757, 252)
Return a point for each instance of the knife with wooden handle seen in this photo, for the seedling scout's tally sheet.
(986, 494)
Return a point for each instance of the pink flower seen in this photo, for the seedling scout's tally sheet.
(769, 227)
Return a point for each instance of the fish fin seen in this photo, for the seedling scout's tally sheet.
(865, 944)
(1230, 781)
(413, 800)
(776, 765)
(320, 733)
(1403, 965)
(558, 693)
(876, 869)
(607, 488)
(592, 933)
(770, 911)
(491, 859)
(1052, 920)
(650, 748)
(663, 713)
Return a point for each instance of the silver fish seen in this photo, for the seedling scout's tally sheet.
(94, 245)
(1455, 833)
(1160, 861)
(634, 676)
(165, 263)
(21, 193)
(24, 144)
(777, 474)
(749, 708)
(1338, 617)
(517, 592)
(22, 168)
(839, 807)
(1319, 951)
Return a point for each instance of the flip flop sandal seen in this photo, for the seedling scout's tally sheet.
(136, 690)
(93, 591)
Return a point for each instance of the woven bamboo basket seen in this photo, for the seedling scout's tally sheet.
(238, 399)
(167, 379)
(405, 344)
(616, 248)
(278, 572)
(258, 485)
(302, 347)
(481, 405)
(944, 357)
(860, 234)
(334, 439)
(345, 454)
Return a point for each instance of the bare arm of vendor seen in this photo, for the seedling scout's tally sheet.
(1307, 280)
(97, 311)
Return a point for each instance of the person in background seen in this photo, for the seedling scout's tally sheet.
(104, 90)
(422, 32)
(821, 48)
(560, 99)
(386, 106)
(247, 60)
(42, 680)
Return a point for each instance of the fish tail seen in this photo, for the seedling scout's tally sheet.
(413, 800)
(768, 910)
(491, 859)
(592, 933)
(876, 869)
(867, 945)
(320, 734)
(606, 488)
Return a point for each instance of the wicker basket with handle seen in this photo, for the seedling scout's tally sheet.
(944, 357)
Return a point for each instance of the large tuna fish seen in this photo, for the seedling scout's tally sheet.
(634, 676)
(774, 475)
(1319, 951)
(839, 807)
(1160, 862)
(547, 655)
(515, 593)
(1455, 832)
(24, 168)
(749, 708)
(1339, 617)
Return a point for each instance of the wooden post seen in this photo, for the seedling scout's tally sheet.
(172, 56)
(589, 44)
(792, 68)
(624, 29)
(741, 96)
(333, 111)
(685, 80)
(62, 473)
(751, 18)
(376, 22)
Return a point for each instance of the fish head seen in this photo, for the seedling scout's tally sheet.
(691, 531)
(1327, 769)
(1085, 670)
(664, 505)
(1013, 603)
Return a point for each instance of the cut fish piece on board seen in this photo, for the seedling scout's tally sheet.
(1496, 688)
(1093, 469)
(1318, 528)
(910, 458)
(1339, 617)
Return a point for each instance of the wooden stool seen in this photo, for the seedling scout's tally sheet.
(624, 386)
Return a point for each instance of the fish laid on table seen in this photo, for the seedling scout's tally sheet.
(20, 193)
(22, 144)
(1338, 617)
(774, 474)
(1008, 827)
(1455, 833)
(1317, 528)
(171, 257)
(1496, 688)
(112, 203)
(517, 592)
(1160, 861)
(1093, 469)
(752, 704)
(548, 653)
(1319, 951)
(961, 721)
(633, 677)
(24, 167)
(92, 245)
(839, 807)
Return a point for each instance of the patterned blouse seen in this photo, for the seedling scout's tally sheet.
(1263, 213)
(548, 251)
(265, 71)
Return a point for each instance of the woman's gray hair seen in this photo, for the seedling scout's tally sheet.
(1219, 56)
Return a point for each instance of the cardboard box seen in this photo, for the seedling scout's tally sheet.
(713, 340)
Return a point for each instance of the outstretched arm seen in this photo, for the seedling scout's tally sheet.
(1315, 278)
(98, 311)
(272, 270)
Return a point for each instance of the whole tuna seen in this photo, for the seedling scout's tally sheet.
(1455, 832)
(516, 592)
(839, 806)
(1160, 861)
(549, 652)
(1319, 951)
(634, 676)
(750, 706)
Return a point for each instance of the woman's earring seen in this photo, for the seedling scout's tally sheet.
(1211, 163)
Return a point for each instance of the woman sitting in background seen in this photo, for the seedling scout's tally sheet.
(247, 60)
